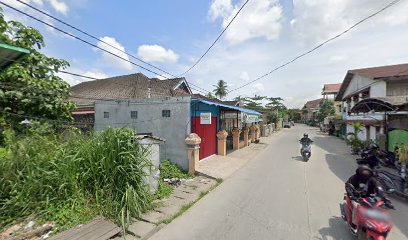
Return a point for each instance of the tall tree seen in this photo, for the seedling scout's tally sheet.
(31, 87)
(221, 89)
(326, 109)
(254, 103)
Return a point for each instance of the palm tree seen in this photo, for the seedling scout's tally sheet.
(221, 89)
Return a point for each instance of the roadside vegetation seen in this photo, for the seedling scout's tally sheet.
(69, 178)
(169, 171)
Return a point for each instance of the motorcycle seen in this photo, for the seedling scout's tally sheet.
(394, 183)
(306, 150)
(372, 219)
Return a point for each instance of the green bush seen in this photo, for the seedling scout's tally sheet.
(168, 170)
(72, 177)
(171, 170)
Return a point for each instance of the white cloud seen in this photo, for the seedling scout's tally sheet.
(59, 6)
(244, 76)
(317, 20)
(111, 59)
(303, 79)
(96, 74)
(258, 87)
(156, 53)
(258, 19)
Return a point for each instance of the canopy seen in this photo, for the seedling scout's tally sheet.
(381, 104)
(248, 111)
(10, 54)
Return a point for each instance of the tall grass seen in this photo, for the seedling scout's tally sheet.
(69, 178)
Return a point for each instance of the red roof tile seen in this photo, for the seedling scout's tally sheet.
(332, 87)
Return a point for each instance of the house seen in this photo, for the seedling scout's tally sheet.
(310, 109)
(148, 105)
(330, 92)
(377, 98)
(163, 108)
(209, 116)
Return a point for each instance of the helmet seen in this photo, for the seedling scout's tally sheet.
(364, 172)
(305, 135)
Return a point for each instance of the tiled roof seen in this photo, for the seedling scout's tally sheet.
(313, 103)
(383, 71)
(386, 73)
(332, 87)
(133, 86)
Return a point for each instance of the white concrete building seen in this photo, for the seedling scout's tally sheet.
(385, 82)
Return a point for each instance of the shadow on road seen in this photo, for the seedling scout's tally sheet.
(298, 158)
(337, 230)
(342, 164)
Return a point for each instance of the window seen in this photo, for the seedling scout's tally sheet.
(105, 114)
(166, 113)
(133, 114)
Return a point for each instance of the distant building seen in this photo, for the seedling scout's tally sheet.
(310, 109)
(382, 94)
(330, 92)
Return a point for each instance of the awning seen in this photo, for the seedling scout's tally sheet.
(381, 104)
(10, 54)
(248, 111)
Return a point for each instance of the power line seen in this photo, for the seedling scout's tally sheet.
(216, 40)
(82, 40)
(93, 78)
(92, 36)
(320, 45)
(93, 45)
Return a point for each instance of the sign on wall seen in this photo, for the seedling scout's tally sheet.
(205, 118)
(249, 118)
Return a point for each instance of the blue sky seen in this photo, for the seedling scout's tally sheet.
(172, 34)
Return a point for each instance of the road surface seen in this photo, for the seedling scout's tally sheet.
(278, 196)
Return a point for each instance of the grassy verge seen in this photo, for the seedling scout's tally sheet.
(169, 170)
(70, 178)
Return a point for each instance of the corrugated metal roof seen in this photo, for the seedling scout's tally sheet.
(249, 111)
(10, 54)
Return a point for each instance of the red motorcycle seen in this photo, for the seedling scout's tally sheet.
(372, 222)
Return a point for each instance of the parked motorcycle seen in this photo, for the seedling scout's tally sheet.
(372, 219)
(306, 150)
(393, 183)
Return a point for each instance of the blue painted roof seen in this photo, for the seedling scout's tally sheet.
(249, 111)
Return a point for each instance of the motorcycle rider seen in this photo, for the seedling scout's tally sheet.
(365, 177)
(305, 141)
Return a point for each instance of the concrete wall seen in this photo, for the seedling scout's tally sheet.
(149, 120)
(379, 89)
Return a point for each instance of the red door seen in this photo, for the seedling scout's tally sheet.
(208, 135)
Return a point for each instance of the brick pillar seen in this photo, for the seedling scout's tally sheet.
(222, 142)
(193, 152)
(235, 138)
(246, 136)
(253, 132)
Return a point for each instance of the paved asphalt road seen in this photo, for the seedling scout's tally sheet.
(278, 196)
